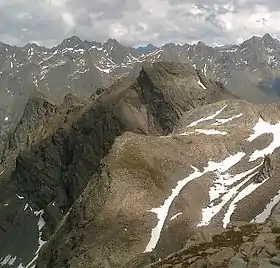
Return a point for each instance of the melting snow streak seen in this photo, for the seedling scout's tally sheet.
(262, 217)
(175, 216)
(210, 117)
(41, 223)
(242, 194)
(162, 211)
(211, 132)
(8, 260)
(225, 120)
(19, 197)
(261, 128)
(201, 84)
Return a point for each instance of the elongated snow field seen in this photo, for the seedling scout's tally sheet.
(227, 189)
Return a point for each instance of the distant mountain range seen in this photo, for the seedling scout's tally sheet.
(250, 70)
(148, 48)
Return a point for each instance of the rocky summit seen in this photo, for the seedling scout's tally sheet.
(165, 169)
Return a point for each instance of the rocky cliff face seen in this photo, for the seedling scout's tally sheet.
(59, 149)
(153, 193)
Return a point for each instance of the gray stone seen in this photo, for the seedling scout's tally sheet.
(261, 263)
(199, 264)
(218, 259)
(236, 229)
(245, 238)
(265, 238)
(245, 249)
(271, 249)
(211, 250)
(233, 224)
(275, 223)
(276, 260)
(236, 262)
(264, 245)
(189, 244)
(203, 237)
(266, 229)
(180, 265)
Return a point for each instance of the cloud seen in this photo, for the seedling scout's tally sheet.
(68, 18)
(137, 22)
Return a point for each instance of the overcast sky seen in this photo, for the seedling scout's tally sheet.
(137, 22)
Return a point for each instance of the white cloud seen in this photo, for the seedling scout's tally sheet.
(68, 18)
(58, 3)
(137, 21)
(118, 30)
(257, 21)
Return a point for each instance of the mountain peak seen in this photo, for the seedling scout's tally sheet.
(201, 44)
(148, 48)
(71, 41)
(253, 39)
(150, 45)
(271, 42)
(112, 41)
(31, 45)
(267, 37)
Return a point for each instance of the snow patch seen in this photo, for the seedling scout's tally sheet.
(211, 132)
(103, 70)
(19, 197)
(213, 208)
(201, 84)
(81, 50)
(263, 127)
(210, 117)
(175, 216)
(41, 223)
(35, 82)
(183, 134)
(262, 217)
(205, 68)
(245, 192)
(162, 211)
(9, 260)
(226, 120)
